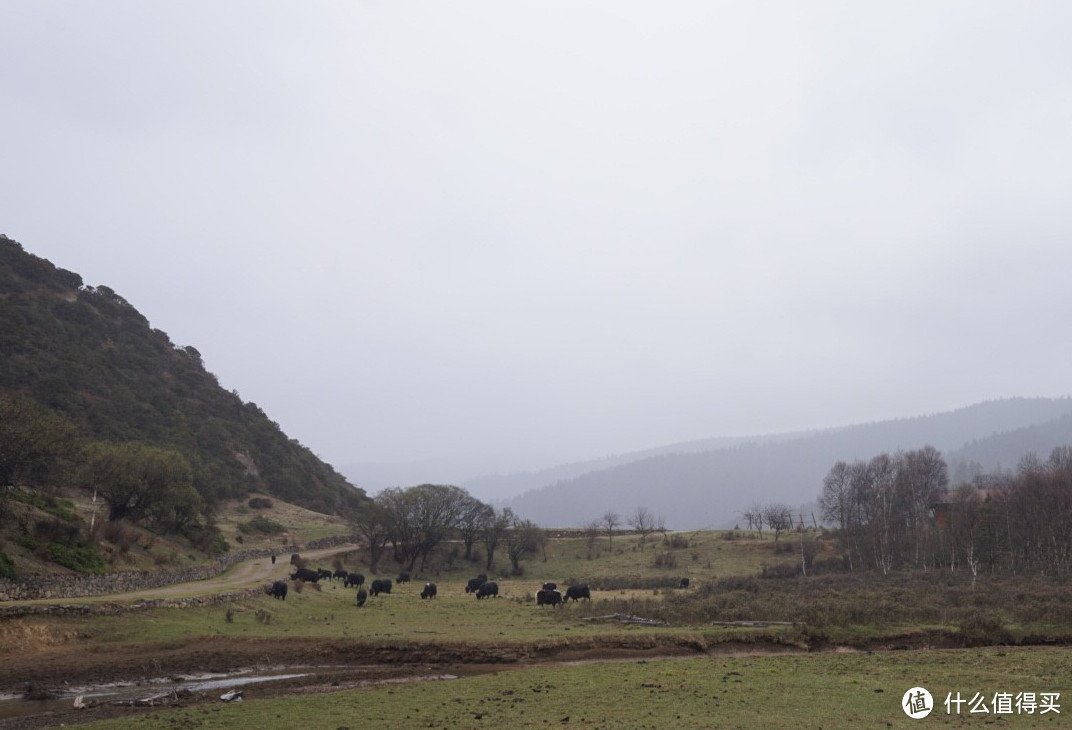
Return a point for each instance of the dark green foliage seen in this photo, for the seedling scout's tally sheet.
(60, 508)
(36, 444)
(217, 545)
(85, 356)
(260, 503)
(79, 559)
(137, 480)
(7, 568)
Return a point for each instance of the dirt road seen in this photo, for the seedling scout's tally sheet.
(243, 575)
(240, 576)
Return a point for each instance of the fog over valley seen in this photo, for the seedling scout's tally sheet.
(458, 243)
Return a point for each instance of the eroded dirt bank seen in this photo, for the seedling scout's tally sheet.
(330, 665)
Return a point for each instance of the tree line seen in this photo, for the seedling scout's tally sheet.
(40, 448)
(410, 523)
(899, 511)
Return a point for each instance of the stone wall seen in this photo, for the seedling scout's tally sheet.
(73, 586)
(111, 609)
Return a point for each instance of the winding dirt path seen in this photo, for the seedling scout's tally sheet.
(246, 574)
(239, 576)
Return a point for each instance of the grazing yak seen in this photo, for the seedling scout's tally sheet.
(380, 585)
(489, 588)
(324, 573)
(684, 583)
(340, 573)
(278, 589)
(474, 583)
(578, 592)
(429, 590)
(402, 578)
(549, 586)
(362, 596)
(353, 579)
(548, 597)
(306, 574)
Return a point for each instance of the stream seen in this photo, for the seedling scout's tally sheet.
(18, 706)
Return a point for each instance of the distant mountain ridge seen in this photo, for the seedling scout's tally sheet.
(519, 482)
(712, 488)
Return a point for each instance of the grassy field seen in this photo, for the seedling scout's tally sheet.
(844, 690)
(864, 633)
(724, 587)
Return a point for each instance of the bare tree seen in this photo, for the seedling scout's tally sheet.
(473, 516)
(419, 518)
(492, 533)
(921, 475)
(836, 502)
(370, 522)
(779, 517)
(644, 522)
(592, 530)
(523, 538)
(754, 515)
(611, 520)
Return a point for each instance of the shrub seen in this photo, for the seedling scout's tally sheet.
(79, 559)
(218, 545)
(208, 540)
(260, 503)
(830, 564)
(782, 570)
(675, 541)
(47, 531)
(665, 560)
(261, 524)
(982, 628)
(118, 534)
(7, 568)
(625, 582)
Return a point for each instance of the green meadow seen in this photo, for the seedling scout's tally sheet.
(747, 644)
(828, 690)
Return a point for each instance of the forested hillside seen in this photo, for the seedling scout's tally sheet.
(83, 374)
(713, 489)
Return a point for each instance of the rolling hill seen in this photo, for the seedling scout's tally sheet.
(86, 356)
(696, 489)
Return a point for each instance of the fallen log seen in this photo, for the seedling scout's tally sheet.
(753, 623)
(625, 618)
(151, 701)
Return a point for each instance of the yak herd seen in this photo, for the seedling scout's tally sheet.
(480, 586)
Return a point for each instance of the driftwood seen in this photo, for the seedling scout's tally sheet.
(152, 701)
(753, 623)
(626, 619)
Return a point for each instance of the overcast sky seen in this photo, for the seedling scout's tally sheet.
(523, 233)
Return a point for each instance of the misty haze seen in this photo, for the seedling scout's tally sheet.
(603, 364)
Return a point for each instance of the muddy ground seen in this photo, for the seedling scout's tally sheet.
(331, 666)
